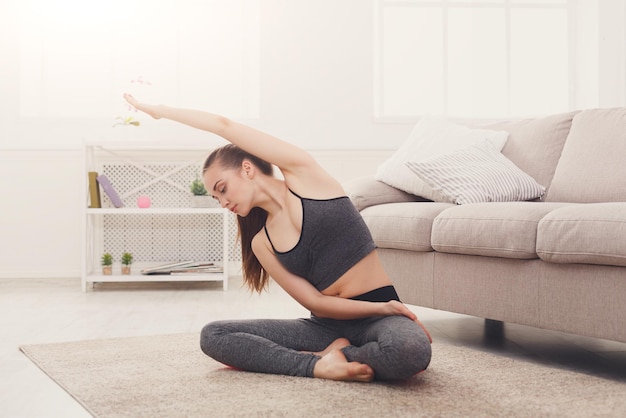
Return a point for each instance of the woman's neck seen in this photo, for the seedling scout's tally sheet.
(272, 196)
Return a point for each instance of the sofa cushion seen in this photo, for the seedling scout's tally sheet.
(431, 136)
(499, 229)
(366, 191)
(403, 226)
(591, 168)
(475, 174)
(535, 145)
(593, 233)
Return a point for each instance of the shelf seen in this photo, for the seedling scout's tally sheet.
(124, 145)
(153, 211)
(94, 276)
(204, 277)
(175, 230)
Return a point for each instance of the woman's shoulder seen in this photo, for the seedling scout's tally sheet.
(260, 242)
(314, 187)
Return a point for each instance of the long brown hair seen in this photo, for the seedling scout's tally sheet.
(231, 156)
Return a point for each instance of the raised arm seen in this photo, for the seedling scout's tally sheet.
(286, 156)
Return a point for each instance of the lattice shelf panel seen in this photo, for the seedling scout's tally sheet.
(169, 237)
(172, 191)
(162, 237)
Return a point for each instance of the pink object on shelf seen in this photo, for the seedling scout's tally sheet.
(143, 202)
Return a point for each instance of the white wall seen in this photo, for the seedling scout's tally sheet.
(316, 85)
(316, 90)
(612, 52)
(40, 223)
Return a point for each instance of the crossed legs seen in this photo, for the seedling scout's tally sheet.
(383, 348)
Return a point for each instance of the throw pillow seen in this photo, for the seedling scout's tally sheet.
(478, 173)
(431, 136)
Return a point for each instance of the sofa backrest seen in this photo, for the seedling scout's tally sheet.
(535, 145)
(592, 166)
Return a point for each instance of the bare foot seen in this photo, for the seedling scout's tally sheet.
(338, 344)
(335, 366)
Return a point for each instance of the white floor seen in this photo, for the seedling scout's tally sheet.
(55, 310)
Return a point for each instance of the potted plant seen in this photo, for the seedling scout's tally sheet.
(127, 260)
(107, 264)
(200, 197)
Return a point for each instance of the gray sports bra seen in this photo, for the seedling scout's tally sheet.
(334, 238)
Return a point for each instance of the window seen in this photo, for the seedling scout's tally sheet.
(76, 58)
(472, 59)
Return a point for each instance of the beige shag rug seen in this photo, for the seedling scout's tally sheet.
(168, 376)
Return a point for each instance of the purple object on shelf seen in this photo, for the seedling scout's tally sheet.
(106, 185)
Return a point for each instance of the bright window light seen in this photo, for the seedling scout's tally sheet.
(77, 57)
(472, 59)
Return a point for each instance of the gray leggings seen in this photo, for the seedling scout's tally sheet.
(393, 346)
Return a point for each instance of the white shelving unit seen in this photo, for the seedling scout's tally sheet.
(169, 231)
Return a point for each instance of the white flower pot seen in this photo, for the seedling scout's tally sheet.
(203, 202)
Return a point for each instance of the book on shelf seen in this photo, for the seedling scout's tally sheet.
(94, 190)
(184, 267)
(201, 269)
(165, 268)
(106, 185)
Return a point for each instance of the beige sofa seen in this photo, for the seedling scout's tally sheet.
(558, 262)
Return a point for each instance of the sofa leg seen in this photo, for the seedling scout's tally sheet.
(494, 332)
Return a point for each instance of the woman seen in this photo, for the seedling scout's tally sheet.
(303, 232)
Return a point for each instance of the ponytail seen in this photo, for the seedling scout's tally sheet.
(254, 274)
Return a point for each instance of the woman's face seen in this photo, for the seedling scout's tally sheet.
(230, 187)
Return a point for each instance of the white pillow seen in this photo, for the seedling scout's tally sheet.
(478, 173)
(431, 136)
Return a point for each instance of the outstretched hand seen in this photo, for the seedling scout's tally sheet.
(398, 308)
(147, 109)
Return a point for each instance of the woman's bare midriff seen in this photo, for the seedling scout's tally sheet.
(368, 274)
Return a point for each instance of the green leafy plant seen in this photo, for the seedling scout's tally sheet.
(129, 121)
(127, 259)
(197, 188)
(107, 259)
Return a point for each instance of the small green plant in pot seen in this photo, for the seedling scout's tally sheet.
(107, 264)
(127, 260)
(200, 198)
(197, 188)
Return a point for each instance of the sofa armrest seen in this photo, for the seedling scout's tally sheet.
(366, 191)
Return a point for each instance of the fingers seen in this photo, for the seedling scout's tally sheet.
(130, 99)
(407, 312)
(411, 315)
(425, 330)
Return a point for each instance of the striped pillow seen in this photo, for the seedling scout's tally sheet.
(431, 136)
(478, 173)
